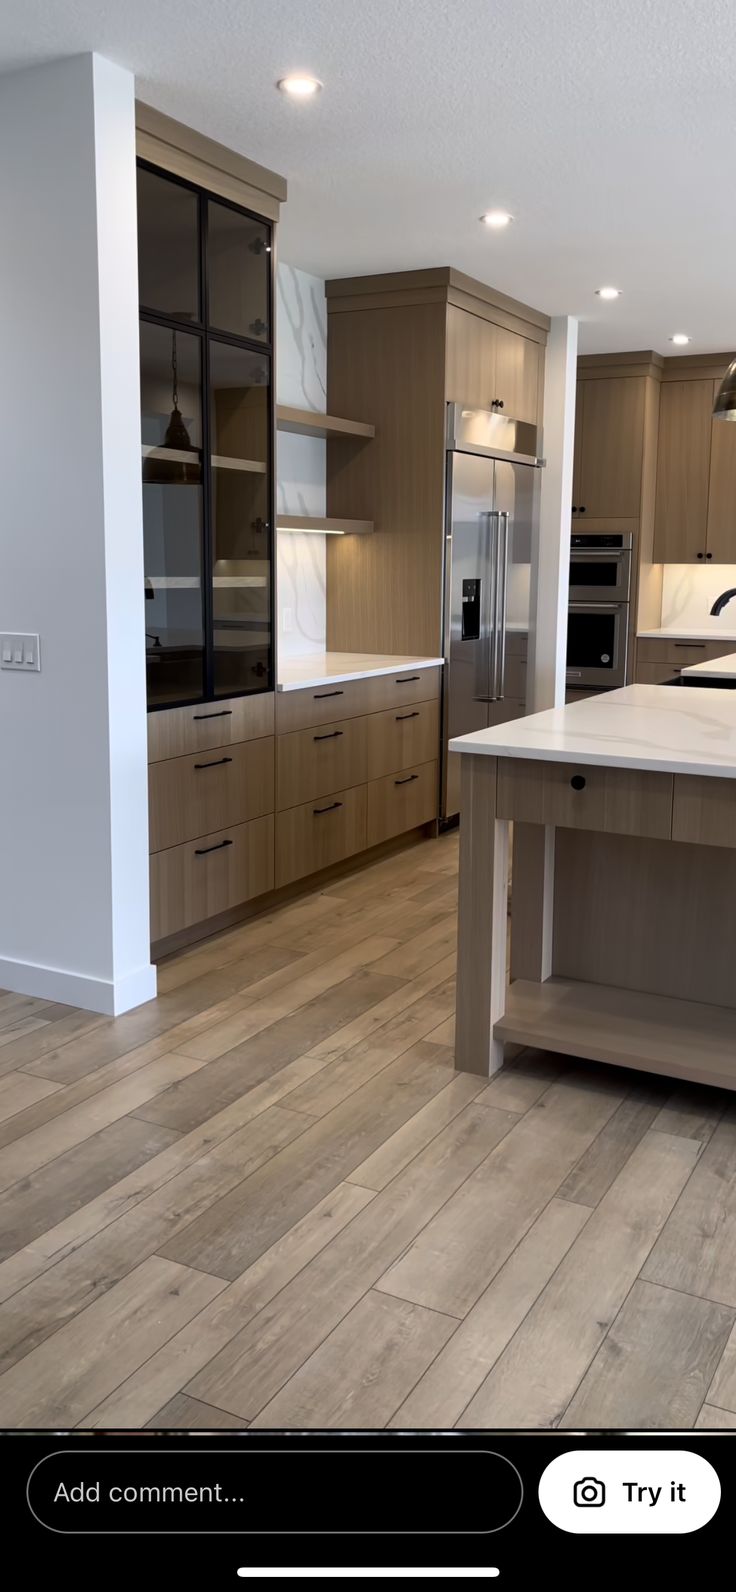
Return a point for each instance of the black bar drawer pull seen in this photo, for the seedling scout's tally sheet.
(226, 713)
(205, 850)
(319, 810)
(330, 736)
(216, 764)
(406, 679)
(406, 781)
(318, 695)
(696, 645)
(414, 715)
(578, 782)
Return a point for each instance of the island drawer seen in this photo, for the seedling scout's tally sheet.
(324, 758)
(401, 802)
(173, 732)
(341, 699)
(319, 833)
(204, 877)
(704, 810)
(190, 796)
(401, 738)
(574, 796)
(652, 649)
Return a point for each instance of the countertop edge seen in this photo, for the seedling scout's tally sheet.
(590, 759)
(359, 674)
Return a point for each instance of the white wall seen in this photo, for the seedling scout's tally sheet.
(73, 793)
(551, 563)
(301, 380)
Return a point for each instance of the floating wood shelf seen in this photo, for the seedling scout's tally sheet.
(310, 522)
(628, 1028)
(312, 423)
(254, 466)
(219, 462)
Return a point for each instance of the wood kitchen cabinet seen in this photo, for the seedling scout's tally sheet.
(609, 445)
(721, 525)
(491, 367)
(683, 472)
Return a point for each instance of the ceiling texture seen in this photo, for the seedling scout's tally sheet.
(606, 127)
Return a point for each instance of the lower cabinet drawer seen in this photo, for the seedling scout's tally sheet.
(657, 673)
(196, 881)
(319, 833)
(172, 732)
(324, 758)
(401, 738)
(401, 802)
(190, 796)
(617, 801)
(704, 810)
(651, 649)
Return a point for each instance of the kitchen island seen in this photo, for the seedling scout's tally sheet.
(623, 913)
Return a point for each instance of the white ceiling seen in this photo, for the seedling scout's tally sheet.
(607, 128)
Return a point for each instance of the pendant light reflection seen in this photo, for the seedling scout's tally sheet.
(160, 471)
(724, 407)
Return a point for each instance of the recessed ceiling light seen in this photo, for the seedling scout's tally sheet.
(299, 85)
(680, 337)
(608, 292)
(496, 219)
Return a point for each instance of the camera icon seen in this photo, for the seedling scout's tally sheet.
(589, 1493)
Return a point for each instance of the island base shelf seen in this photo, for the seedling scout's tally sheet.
(625, 1028)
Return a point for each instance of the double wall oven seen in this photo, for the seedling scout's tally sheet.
(598, 614)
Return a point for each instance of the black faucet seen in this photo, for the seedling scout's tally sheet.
(721, 601)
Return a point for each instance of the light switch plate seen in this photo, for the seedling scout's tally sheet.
(20, 652)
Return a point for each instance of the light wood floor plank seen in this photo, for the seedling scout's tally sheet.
(258, 1361)
(71, 1180)
(192, 1416)
(363, 1369)
(31, 1047)
(13, 1031)
(722, 1391)
(518, 1087)
(216, 1085)
(533, 1381)
(454, 1259)
(26, 1155)
(136, 1400)
(397, 1151)
(693, 1111)
(601, 1164)
(232, 1233)
(696, 1252)
(357, 1065)
(449, 1384)
(59, 1380)
(655, 1364)
(18, 1090)
(715, 1420)
(72, 1284)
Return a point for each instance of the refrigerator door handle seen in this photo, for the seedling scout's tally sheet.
(499, 640)
(487, 659)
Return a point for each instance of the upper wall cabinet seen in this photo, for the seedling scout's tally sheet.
(489, 366)
(696, 477)
(609, 443)
(205, 272)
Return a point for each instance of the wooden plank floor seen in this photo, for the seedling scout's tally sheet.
(267, 1199)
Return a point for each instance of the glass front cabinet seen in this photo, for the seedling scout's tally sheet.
(206, 293)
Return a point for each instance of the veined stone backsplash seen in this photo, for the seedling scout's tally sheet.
(688, 594)
(301, 380)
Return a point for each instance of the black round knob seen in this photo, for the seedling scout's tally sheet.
(578, 782)
(574, 509)
(709, 555)
(582, 511)
(700, 555)
(500, 403)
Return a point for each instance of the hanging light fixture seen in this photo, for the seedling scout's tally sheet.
(724, 407)
(160, 471)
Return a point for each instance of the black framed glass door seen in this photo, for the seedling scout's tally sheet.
(207, 422)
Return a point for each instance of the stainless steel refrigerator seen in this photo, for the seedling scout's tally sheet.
(492, 480)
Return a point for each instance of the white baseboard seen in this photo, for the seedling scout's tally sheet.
(109, 996)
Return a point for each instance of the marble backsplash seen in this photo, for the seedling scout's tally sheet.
(301, 380)
(688, 593)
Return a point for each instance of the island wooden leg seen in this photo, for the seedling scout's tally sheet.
(532, 901)
(482, 919)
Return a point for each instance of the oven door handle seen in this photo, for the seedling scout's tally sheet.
(613, 554)
(597, 608)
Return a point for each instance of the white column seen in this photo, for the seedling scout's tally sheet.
(73, 779)
(551, 557)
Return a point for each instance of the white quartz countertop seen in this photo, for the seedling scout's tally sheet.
(717, 669)
(704, 633)
(323, 668)
(670, 729)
